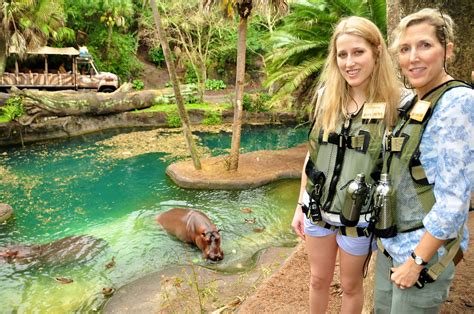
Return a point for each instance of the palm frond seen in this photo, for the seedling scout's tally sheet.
(378, 14)
(300, 44)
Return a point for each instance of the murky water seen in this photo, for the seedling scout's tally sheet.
(67, 188)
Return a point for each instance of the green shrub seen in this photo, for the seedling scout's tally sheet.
(13, 109)
(212, 118)
(138, 84)
(190, 99)
(215, 84)
(156, 56)
(259, 102)
(247, 103)
(173, 120)
(191, 76)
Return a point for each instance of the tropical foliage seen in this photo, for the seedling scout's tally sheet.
(106, 28)
(300, 45)
(12, 109)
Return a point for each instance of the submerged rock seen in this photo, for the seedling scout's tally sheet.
(6, 211)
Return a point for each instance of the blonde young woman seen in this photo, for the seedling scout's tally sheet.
(358, 94)
(432, 171)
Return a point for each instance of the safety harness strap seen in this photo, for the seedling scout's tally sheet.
(345, 141)
(341, 150)
(353, 232)
(454, 254)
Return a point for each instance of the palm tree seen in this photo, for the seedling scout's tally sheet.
(300, 45)
(243, 9)
(174, 79)
(28, 24)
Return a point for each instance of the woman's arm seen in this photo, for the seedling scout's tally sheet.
(298, 218)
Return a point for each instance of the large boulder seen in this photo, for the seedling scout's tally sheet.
(6, 211)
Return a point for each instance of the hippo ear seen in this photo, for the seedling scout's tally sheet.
(219, 230)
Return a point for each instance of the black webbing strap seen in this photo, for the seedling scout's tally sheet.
(353, 232)
(341, 149)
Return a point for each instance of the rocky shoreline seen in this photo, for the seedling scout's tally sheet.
(53, 127)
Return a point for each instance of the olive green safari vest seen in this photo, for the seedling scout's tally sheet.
(354, 148)
(414, 194)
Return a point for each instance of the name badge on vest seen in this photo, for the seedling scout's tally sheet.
(374, 110)
(397, 144)
(419, 110)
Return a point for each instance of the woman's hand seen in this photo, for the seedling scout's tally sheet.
(298, 222)
(406, 275)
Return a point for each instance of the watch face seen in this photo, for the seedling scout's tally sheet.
(418, 260)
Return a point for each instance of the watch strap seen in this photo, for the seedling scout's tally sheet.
(418, 258)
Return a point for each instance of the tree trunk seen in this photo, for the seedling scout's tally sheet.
(239, 94)
(109, 39)
(3, 54)
(174, 79)
(202, 80)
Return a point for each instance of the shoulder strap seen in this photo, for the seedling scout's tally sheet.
(416, 170)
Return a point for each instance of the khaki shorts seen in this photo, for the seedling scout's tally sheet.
(390, 299)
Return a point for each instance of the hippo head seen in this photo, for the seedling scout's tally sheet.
(212, 245)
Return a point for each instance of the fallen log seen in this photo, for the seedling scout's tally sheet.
(71, 103)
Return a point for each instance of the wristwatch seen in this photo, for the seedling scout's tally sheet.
(418, 260)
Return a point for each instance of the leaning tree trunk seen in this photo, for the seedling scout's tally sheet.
(174, 79)
(239, 94)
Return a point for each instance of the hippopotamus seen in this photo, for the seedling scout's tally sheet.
(69, 249)
(193, 226)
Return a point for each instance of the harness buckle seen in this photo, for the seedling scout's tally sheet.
(423, 279)
(345, 141)
(366, 232)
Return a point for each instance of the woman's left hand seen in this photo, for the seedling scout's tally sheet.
(406, 275)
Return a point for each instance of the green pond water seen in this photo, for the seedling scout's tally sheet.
(62, 188)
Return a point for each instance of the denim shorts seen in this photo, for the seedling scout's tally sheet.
(352, 245)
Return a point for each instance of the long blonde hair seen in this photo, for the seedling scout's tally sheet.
(383, 86)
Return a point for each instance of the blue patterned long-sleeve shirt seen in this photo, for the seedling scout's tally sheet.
(447, 158)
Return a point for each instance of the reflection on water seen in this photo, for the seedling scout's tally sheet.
(64, 188)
